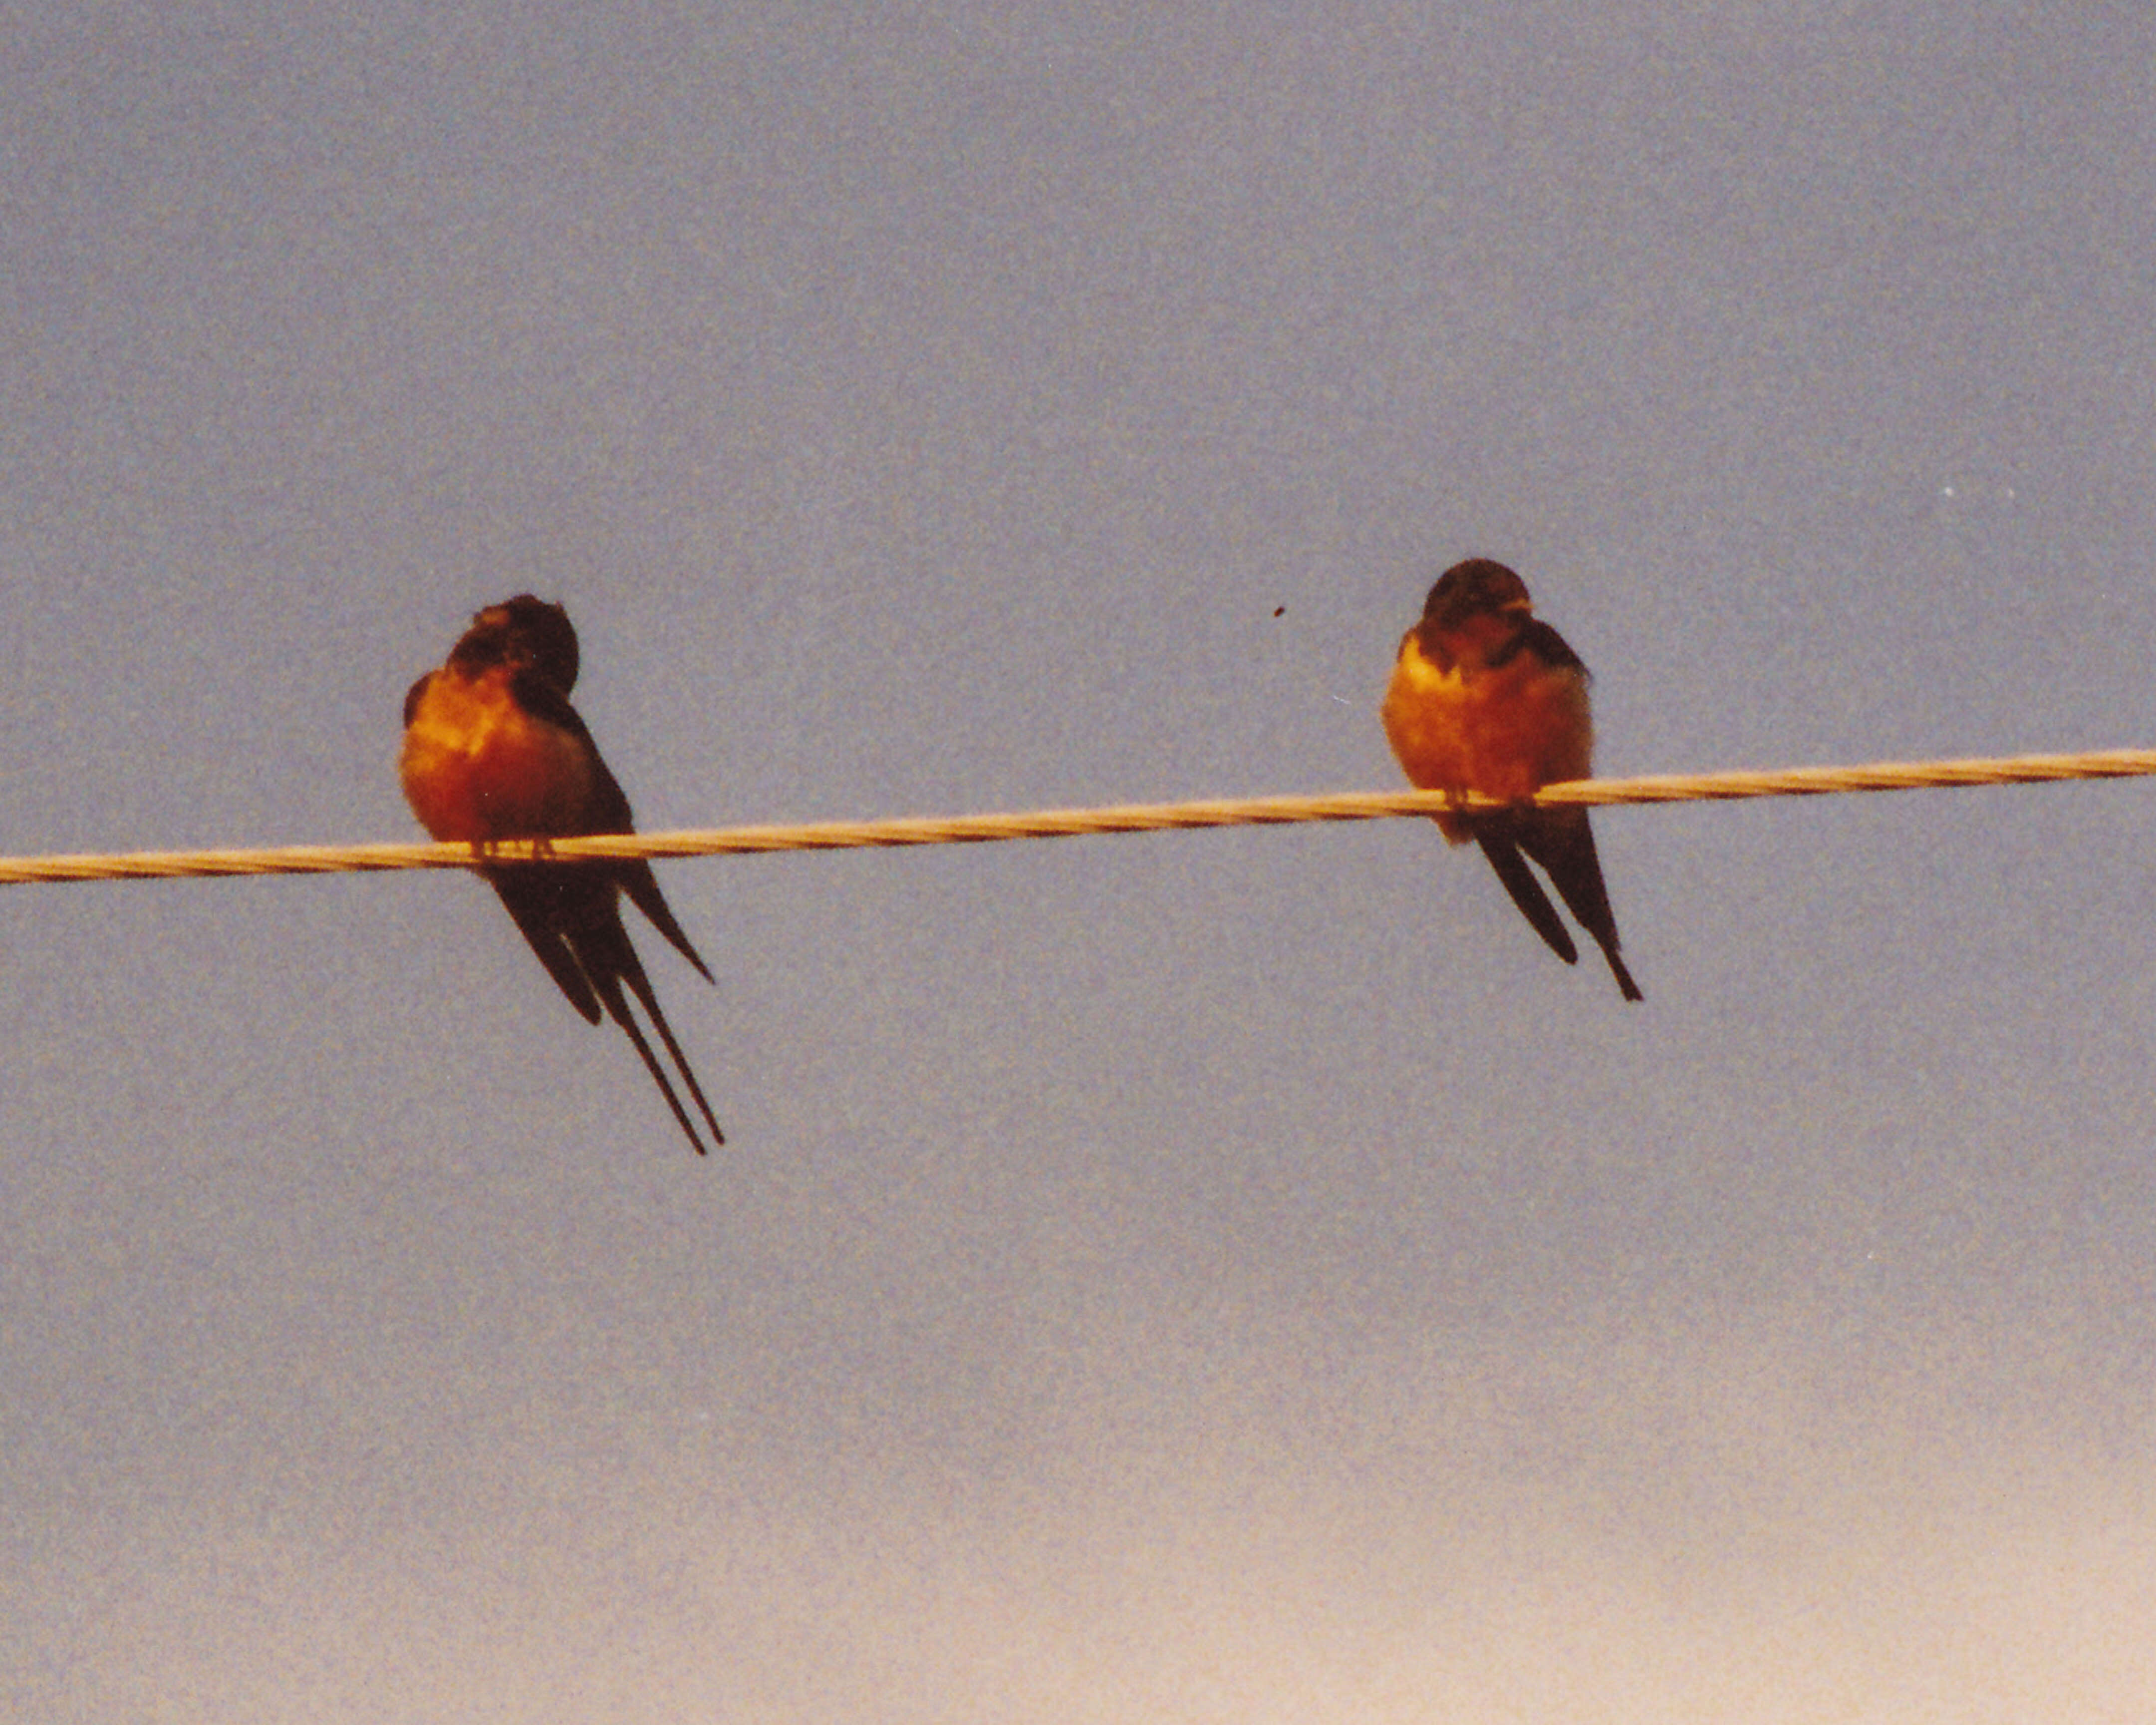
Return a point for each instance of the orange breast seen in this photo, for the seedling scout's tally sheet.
(1530, 728)
(1503, 733)
(476, 767)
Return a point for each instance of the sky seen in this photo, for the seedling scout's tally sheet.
(1225, 1276)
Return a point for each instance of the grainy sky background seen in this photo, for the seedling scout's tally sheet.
(1232, 1277)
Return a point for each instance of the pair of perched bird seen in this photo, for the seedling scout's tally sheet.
(1485, 698)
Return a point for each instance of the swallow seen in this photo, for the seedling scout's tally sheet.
(1487, 698)
(492, 751)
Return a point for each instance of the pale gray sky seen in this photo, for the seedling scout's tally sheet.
(1238, 1277)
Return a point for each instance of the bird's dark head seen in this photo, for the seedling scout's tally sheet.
(1478, 587)
(526, 632)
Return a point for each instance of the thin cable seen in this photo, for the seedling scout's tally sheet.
(1072, 822)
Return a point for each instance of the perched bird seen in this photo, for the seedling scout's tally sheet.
(1486, 699)
(492, 750)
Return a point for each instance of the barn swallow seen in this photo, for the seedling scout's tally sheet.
(1486, 698)
(492, 750)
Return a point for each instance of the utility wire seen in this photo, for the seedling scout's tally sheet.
(1072, 822)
